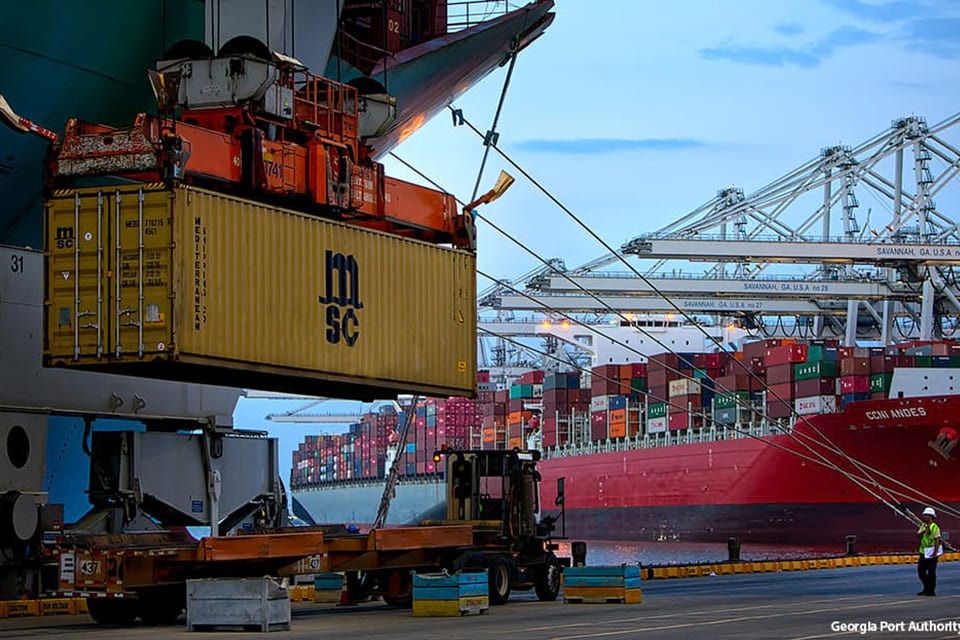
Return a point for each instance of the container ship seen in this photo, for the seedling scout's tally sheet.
(782, 442)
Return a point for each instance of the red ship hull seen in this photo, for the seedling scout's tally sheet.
(770, 489)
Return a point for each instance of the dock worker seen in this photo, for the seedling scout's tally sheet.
(930, 550)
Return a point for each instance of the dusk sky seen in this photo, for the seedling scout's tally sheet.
(632, 113)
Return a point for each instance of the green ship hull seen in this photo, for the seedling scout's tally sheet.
(66, 59)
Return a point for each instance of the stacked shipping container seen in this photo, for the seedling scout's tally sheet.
(562, 397)
(673, 392)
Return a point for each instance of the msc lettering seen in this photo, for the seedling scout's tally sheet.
(342, 297)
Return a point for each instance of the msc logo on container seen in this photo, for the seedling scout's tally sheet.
(342, 298)
(64, 239)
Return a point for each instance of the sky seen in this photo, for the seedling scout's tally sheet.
(633, 113)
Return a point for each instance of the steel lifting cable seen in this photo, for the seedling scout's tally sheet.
(391, 481)
(652, 337)
(793, 434)
(491, 138)
(647, 282)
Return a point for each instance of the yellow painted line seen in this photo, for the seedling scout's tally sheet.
(660, 572)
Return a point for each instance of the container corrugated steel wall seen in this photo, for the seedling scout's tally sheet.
(212, 288)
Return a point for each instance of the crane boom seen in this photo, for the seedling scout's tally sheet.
(885, 254)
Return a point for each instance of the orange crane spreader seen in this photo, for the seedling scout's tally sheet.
(261, 126)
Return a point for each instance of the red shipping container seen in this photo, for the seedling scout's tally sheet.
(693, 402)
(718, 360)
(779, 409)
(598, 426)
(664, 360)
(658, 394)
(815, 387)
(855, 366)
(782, 391)
(792, 353)
(779, 374)
(607, 371)
(855, 384)
(734, 382)
(758, 349)
(531, 377)
(604, 387)
(638, 370)
(907, 361)
(679, 420)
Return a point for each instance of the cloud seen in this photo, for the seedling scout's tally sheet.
(844, 37)
(939, 37)
(806, 58)
(788, 29)
(591, 146)
(775, 57)
(882, 12)
(910, 86)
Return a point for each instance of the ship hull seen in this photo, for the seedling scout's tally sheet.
(795, 489)
(357, 502)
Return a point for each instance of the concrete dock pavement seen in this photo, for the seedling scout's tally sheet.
(872, 601)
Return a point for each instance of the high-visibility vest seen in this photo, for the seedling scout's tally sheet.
(929, 536)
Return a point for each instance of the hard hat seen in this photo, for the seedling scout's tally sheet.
(930, 512)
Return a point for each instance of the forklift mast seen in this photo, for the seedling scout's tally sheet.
(489, 486)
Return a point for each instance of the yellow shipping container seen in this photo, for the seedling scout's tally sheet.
(192, 285)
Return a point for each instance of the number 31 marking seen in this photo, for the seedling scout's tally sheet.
(16, 263)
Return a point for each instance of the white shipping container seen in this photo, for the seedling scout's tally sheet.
(599, 403)
(815, 404)
(657, 425)
(684, 387)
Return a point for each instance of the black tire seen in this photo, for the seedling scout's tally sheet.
(112, 610)
(398, 589)
(547, 584)
(160, 611)
(499, 577)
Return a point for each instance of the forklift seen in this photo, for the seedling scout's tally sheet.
(498, 493)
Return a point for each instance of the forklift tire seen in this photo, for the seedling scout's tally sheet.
(112, 610)
(547, 584)
(499, 577)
